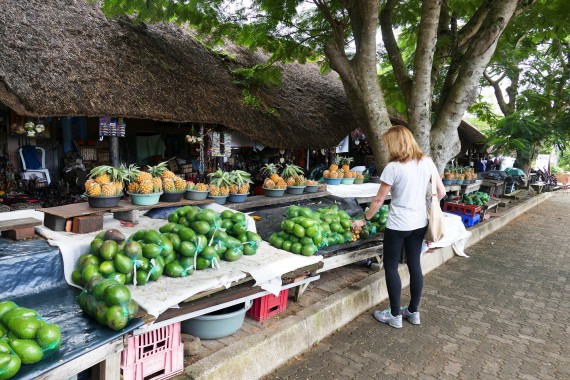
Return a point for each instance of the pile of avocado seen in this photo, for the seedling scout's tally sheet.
(477, 198)
(305, 231)
(109, 302)
(25, 338)
(377, 222)
(202, 238)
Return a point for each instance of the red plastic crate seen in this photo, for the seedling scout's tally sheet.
(462, 208)
(268, 306)
(161, 365)
(151, 343)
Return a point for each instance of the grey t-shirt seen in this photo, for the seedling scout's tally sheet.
(409, 183)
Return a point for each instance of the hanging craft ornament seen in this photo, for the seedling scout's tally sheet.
(201, 159)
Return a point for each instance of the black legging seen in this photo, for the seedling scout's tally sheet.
(394, 242)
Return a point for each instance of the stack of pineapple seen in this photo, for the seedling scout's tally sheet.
(220, 183)
(171, 183)
(310, 182)
(240, 181)
(144, 182)
(274, 181)
(293, 175)
(191, 186)
(333, 170)
(105, 181)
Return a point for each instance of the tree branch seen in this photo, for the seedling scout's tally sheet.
(474, 23)
(394, 53)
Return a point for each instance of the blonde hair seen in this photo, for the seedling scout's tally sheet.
(402, 146)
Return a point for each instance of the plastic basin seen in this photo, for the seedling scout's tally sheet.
(358, 181)
(237, 198)
(219, 199)
(274, 192)
(171, 197)
(295, 189)
(103, 201)
(311, 188)
(347, 181)
(195, 195)
(145, 199)
(217, 324)
(332, 181)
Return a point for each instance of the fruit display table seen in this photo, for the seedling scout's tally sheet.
(32, 276)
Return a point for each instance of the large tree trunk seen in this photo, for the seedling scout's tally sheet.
(359, 76)
(444, 137)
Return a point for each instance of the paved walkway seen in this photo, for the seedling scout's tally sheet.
(504, 313)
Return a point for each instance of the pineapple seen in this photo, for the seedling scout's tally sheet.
(133, 187)
(290, 181)
(290, 172)
(157, 184)
(233, 188)
(119, 186)
(281, 184)
(346, 164)
(92, 188)
(334, 166)
(224, 190)
(268, 183)
(108, 190)
(168, 174)
(168, 185)
(333, 174)
(143, 176)
(202, 187)
(102, 179)
(300, 181)
(179, 184)
(146, 187)
(327, 174)
(270, 170)
(311, 182)
(159, 169)
(215, 191)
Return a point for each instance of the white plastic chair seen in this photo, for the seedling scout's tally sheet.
(42, 170)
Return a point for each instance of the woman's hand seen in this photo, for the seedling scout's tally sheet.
(358, 223)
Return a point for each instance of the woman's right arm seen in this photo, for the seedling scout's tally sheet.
(440, 188)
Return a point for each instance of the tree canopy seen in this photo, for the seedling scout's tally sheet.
(431, 59)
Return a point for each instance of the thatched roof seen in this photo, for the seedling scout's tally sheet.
(64, 58)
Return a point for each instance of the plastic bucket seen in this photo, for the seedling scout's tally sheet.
(274, 192)
(103, 201)
(237, 198)
(195, 195)
(295, 189)
(219, 199)
(311, 188)
(332, 181)
(217, 324)
(171, 197)
(145, 199)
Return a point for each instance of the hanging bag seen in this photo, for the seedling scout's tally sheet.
(436, 225)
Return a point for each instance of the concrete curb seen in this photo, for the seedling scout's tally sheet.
(261, 352)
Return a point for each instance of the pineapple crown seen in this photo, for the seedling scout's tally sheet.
(346, 160)
(220, 178)
(336, 160)
(240, 177)
(115, 174)
(131, 172)
(269, 169)
(157, 170)
(291, 171)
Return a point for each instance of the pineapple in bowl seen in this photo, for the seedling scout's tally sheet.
(333, 175)
(173, 186)
(240, 184)
(294, 178)
(104, 188)
(220, 183)
(145, 187)
(273, 185)
(196, 191)
(311, 186)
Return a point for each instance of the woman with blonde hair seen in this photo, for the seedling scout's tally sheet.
(406, 178)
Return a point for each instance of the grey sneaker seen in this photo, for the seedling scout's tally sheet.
(413, 318)
(387, 317)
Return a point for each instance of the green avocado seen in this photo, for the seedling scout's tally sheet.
(28, 350)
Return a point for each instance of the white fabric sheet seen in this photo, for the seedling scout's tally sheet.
(266, 267)
(455, 235)
(354, 191)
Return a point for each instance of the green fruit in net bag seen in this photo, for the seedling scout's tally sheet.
(6, 306)
(24, 328)
(116, 295)
(9, 365)
(28, 350)
(117, 317)
(49, 337)
(108, 249)
(18, 312)
(132, 250)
